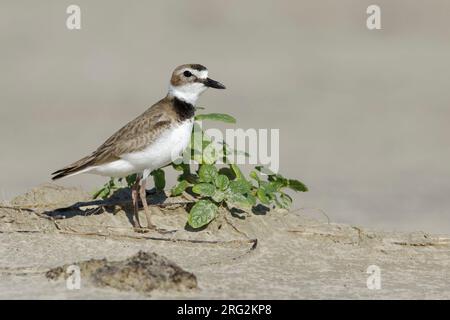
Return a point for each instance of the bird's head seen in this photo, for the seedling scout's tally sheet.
(189, 81)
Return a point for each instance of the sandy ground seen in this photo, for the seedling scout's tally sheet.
(279, 255)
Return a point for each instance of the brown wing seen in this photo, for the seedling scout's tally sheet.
(134, 136)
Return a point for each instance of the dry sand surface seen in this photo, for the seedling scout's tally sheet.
(280, 255)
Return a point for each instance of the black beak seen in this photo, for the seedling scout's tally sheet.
(213, 84)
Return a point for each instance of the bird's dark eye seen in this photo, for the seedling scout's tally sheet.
(187, 74)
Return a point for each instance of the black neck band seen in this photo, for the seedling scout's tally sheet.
(184, 109)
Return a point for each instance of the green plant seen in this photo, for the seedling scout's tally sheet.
(229, 188)
(214, 186)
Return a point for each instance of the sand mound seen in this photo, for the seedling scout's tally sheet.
(142, 272)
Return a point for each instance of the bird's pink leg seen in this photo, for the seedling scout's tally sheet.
(143, 195)
(135, 199)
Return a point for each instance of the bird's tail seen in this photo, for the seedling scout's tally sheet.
(74, 168)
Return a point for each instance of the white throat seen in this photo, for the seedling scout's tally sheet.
(188, 92)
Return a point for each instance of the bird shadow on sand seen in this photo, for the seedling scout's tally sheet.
(120, 200)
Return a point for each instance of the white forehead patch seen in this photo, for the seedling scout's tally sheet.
(201, 74)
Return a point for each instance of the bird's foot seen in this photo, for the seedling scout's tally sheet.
(164, 231)
(142, 229)
(153, 228)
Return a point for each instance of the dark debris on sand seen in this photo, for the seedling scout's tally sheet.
(143, 272)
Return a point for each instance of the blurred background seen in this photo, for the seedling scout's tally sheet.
(363, 115)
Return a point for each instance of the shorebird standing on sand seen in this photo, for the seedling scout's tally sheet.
(152, 140)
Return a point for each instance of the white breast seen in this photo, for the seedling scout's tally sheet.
(164, 149)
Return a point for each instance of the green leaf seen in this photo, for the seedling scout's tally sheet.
(179, 188)
(237, 171)
(240, 186)
(210, 154)
(227, 150)
(251, 199)
(285, 195)
(181, 167)
(221, 181)
(265, 170)
(159, 179)
(131, 179)
(207, 173)
(216, 117)
(196, 143)
(219, 196)
(284, 201)
(228, 172)
(239, 200)
(101, 193)
(204, 189)
(261, 194)
(105, 193)
(202, 213)
(96, 193)
(106, 190)
(255, 176)
(206, 140)
(197, 156)
(297, 185)
(273, 186)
